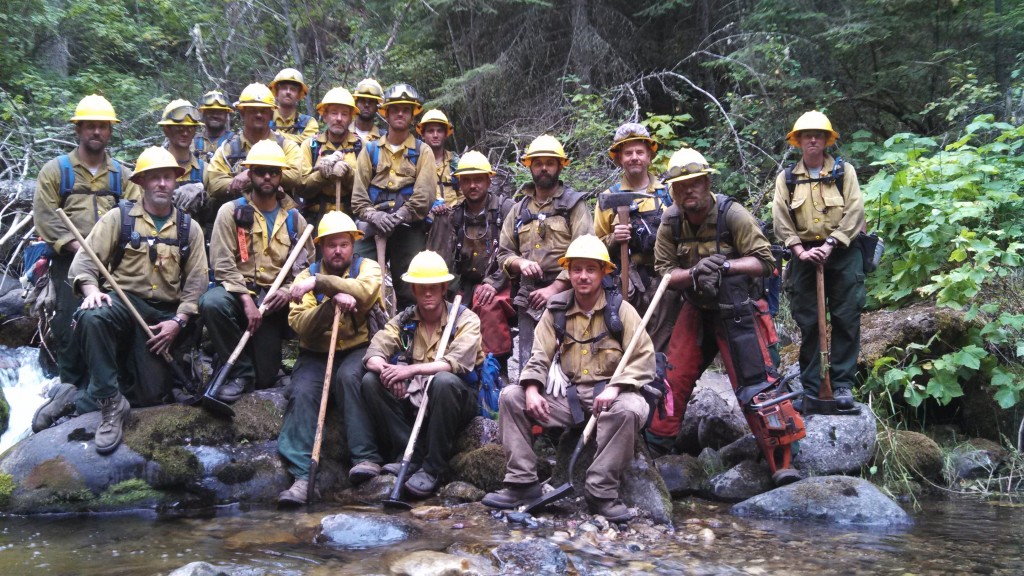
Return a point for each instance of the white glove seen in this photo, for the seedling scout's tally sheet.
(326, 164)
(340, 169)
(558, 382)
(190, 197)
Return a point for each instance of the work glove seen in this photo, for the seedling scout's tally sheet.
(709, 265)
(325, 165)
(384, 223)
(341, 168)
(707, 284)
(558, 382)
(190, 197)
(404, 214)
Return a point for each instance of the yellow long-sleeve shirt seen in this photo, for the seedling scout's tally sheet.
(395, 171)
(313, 321)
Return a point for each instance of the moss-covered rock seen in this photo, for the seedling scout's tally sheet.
(914, 451)
(5, 413)
(129, 494)
(483, 467)
(6, 489)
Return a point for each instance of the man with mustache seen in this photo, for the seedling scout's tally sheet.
(289, 89)
(330, 157)
(369, 95)
(216, 130)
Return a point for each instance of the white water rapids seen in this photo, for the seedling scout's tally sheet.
(23, 384)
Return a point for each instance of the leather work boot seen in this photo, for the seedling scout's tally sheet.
(113, 412)
(422, 484)
(362, 472)
(611, 508)
(296, 495)
(232, 390)
(784, 476)
(843, 398)
(513, 496)
(61, 403)
(395, 467)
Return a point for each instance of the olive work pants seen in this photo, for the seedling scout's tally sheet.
(844, 298)
(298, 431)
(617, 429)
(379, 425)
(403, 244)
(69, 360)
(224, 317)
(113, 346)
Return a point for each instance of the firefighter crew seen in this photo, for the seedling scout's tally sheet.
(289, 89)
(86, 183)
(369, 95)
(819, 219)
(435, 128)
(715, 253)
(227, 174)
(380, 410)
(252, 238)
(587, 365)
(476, 224)
(161, 272)
(536, 233)
(216, 124)
(179, 122)
(395, 186)
(330, 156)
(342, 280)
(633, 150)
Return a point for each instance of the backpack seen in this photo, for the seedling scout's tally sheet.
(836, 176)
(235, 149)
(128, 235)
(67, 181)
(491, 384)
(195, 175)
(199, 144)
(560, 207)
(316, 148)
(413, 155)
(301, 121)
(242, 206)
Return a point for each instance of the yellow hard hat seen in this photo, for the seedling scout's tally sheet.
(812, 120)
(154, 158)
(215, 100)
(686, 163)
(427, 267)
(589, 247)
(402, 93)
(473, 162)
(544, 145)
(290, 75)
(266, 153)
(94, 107)
(631, 132)
(180, 113)
(336, 96)
(369, 88)
(335, 222)
(436, 116)
(256, 95)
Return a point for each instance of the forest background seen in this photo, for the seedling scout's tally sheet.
(927, 95)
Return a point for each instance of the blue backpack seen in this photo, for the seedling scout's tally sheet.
(67, 181)
(373, 148)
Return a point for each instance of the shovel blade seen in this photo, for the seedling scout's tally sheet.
(394, 501)
(391, 504)
(549, 498)
(218, 408)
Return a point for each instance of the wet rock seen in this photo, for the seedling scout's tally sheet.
(745, 448)
(200, 569)
(532, 556)
(712, 399)
(432, 512)
(833, 499)
(683, 474)
(711, 461)
(746, 479)
(483, 467)
(374, 490)
(5, 413)
(430, 563)
(977, 458)
(721, 430)
(479, 433)
(359, 532)
(837, 444)
(458, 492)
(913, 450)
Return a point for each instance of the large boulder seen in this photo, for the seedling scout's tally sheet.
(833, 499)
(714, 402)
(17, 328)
(977, 458)
(479, 433)
(683, 474)
(914, 451)
(837, 444)
(5, 413)
(747, 479)
(200, 569)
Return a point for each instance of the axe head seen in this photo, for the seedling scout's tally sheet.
(613, 200)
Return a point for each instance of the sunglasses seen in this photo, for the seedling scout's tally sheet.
(264, 171)
(182, 113)
(685, 170)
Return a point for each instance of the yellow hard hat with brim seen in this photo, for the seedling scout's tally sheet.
(335, 222)
(437, 117)
(180, 113)
(256, 95)
(369, 88)
(473, 162)
(266, 153)
(685, 164)
(337, 96)
(290, 75)
(155, 158)
(587, 247)
(631, 132)
(215, 100)
(94, 108)
(427, 267)
(812, 120)
(545, 145)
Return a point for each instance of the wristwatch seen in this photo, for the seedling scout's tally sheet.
(726, 266)
(181, 321)
(831, 241)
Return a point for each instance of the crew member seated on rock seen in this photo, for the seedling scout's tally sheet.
(381, 407)
(715, 252)
(252, 238)
(338, 280)
(582, 361)
(161, 267)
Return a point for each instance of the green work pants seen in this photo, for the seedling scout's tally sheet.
(403, 244)
(225, 321)
(69, 360)
(379, 425)
(844, 298)
(298, 432)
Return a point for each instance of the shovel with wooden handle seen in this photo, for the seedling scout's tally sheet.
(824, 403)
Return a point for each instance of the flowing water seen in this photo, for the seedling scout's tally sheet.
(22, 382)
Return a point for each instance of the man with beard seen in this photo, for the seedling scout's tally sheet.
(536, 233)
(633, 150)
(399, 363)
(178, 123)
(369, 95)
(86, 183)
(289, 89)
(330, 157)
(216, 124)
(395, 187)
(163, 272)
(346, 282)
(435, 128)
(252, 238)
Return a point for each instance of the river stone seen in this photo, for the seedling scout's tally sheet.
(479, 433)
(459, 492)
(199, 569)
(533, 556)
(483, 467)
(746, 479)
(721, 430)
(915, 451)
(430, 563)
(745, 448)
(374, 490)
(833, 499)
(362, 531)
(712, 398)
(837, 444)
(16, 329)
(978, 458)
(5, 413)
(683, 474)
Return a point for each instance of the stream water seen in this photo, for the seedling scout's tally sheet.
(959, 536)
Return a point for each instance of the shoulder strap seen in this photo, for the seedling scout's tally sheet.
(184, 248)
(724, 204)
(67, 177)
(790, 180)
(289, 221)
(314, 152)
(565, 203)
(301, 122)
(235, 152)
(115, 180)
(839, 174)
(616, 188)
(414, 154)
(199, 142)
(280, 139)
(373, 148)
(125, 235)
(612, 320)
